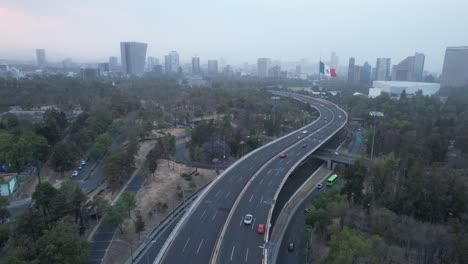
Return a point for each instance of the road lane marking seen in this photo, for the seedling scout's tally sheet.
(253, 223)
(227, 195)
(269, 184)
(214, 216)
(203, 214)
(261, 199)
(261, 181)
(186, 244)
(242, 219)
(250, 200)
(269, 171)
(199, 246)
(247, 255)
(216, 195)
(289, 161)
(232, 252)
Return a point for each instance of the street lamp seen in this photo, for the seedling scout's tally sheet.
(375, 115)
(184, 188)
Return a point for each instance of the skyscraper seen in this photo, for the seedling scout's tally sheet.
(263, 66)
(196, 65)
(409, 69)
(212, 67)
(455, 70)
(113, 64)
(333, 60)
(357, 73)
(351, 70)
(382, 69)
(133, 56)
(171, 62)
(365, 74)
(41, 58)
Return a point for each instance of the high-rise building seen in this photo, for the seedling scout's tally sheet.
(151, 62)
(382, 69)
(298, 71)
(351, 70)
(409, 69)
(455, 69)
(171, 62)
(133, 56)
(212, 67)
(41, 58)
(275, 71)
(357, 73)
(263, 66)
(334, 60)
(196, 65)
(103, 68)
(365, 74)
(113, 64)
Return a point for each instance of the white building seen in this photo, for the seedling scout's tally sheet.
(7, 183)
(395, 88)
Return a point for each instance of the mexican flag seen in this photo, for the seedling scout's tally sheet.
(326, 70)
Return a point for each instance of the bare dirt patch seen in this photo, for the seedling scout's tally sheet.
(156, 198)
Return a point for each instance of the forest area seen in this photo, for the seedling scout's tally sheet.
(409, 204)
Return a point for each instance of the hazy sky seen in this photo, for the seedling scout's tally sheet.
(237, 30)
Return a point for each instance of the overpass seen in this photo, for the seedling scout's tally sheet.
(334, 157)
(255, 180)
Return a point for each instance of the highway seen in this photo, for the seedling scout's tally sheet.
(240, 243)
(249, 186)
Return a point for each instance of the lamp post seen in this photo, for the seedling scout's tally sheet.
(375, 115)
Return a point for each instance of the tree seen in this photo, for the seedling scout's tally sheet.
(355, 176)
(127, 202)
(100, 146)
(115, 168)
(139, 224)
(63, 157)
(347, 247)
(62, 244)
(43, 195)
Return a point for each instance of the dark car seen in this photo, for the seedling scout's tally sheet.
(305, 146)
(291, 247)
(282, 155)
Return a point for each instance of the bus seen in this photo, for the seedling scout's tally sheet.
(332, 180)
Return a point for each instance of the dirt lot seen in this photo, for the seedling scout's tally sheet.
(158, 190)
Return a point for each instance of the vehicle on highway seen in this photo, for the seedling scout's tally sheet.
(248, 219)
(75, 173)
(304, 131)
(291, 247)
(80, 167)
(332, 179)
(282, 155)
(305, 146)
(261, 229)
(319, 186)
(336, 153)
(306, 211)
(83, 162)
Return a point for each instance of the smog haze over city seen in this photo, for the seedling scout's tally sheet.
(239, 31)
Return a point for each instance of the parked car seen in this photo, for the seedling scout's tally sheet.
(319, 186)
(248, 219)
(75, 173)
(83, 162)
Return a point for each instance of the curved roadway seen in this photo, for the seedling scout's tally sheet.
(248, 186)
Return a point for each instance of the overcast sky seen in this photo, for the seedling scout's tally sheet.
(237, 30)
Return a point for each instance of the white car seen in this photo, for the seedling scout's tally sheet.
(248, 219)
(83, 162)
(75, 173)
(304, 131)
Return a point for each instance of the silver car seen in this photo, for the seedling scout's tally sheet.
(248, 219)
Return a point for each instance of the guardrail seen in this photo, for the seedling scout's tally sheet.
(173, 214)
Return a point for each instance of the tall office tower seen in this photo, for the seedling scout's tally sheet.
(409, 69)
(274, 71)
(351, 70)
(113, 64)
(41, 58)
(455, 69)
(196, 65)
(133, 56)
(334, 60)
(357, 73)
(212, 67)
(171, 62)
(263, 66)
(151, 62)
(382, 69)
(365, 74)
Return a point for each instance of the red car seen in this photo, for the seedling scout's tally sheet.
(261, 229)
(305, 146)
(282, 155)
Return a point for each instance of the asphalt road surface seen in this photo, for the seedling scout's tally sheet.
(196, 238)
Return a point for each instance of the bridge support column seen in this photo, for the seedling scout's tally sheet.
(330, 164)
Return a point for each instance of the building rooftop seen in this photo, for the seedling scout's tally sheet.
(6, 177)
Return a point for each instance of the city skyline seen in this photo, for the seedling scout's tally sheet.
(61, 29)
